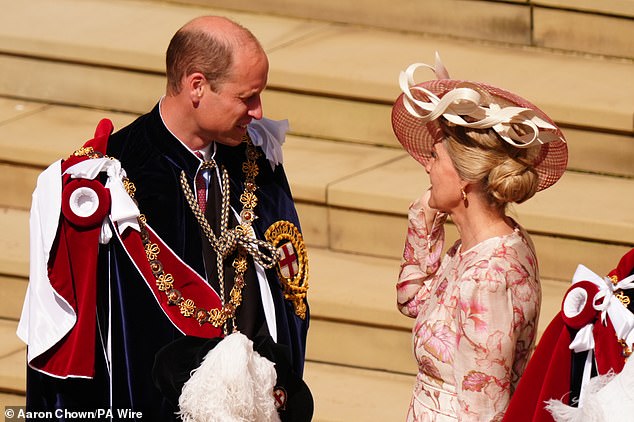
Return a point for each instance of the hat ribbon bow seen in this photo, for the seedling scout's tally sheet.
(466, 100)
(609, 305)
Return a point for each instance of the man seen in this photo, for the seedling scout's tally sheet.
(216, 249)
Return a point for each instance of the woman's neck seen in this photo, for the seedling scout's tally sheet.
(478, 222)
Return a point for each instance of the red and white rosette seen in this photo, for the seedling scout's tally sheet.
(123, 210)
(85, 203)
(578, 312)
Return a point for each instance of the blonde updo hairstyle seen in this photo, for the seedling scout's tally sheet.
(480, 156)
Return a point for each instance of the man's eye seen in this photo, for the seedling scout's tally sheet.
(248, 100)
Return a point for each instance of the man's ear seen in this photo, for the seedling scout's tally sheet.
(194, 85)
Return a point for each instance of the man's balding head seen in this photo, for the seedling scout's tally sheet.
(206, 44)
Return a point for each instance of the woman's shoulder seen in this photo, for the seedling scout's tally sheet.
(503, 254)
(499, 247)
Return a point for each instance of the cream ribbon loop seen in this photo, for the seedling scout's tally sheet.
(466, 100)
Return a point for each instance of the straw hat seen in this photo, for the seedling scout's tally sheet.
(476, 105)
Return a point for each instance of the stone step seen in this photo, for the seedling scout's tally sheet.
(562, 24)
(12, 359)
(14, 244)
(34, 134)
(320, 79)
(343, 119)
(12, 400)
(353, 303)
(366, 215)
(374, 232)
(351, 197)
(341, 393)
(12, 295)
(344, 394)
(352, 300)
(351, 179)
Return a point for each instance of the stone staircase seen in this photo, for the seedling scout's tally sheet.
(65, 64)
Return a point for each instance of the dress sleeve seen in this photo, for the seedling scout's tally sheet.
(421, 258)
(498, 299)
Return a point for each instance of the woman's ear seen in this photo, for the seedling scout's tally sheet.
(465, 186)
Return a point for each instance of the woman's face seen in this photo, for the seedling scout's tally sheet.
(446, 184)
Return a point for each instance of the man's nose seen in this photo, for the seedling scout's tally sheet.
(255, 109)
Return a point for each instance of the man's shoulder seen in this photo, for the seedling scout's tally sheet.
(128, 139)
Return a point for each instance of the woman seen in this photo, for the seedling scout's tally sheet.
(477, 308)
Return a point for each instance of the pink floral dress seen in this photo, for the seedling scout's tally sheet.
(476, 320)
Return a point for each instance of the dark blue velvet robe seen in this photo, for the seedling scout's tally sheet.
(153, 160)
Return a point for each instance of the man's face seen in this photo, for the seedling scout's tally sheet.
(224, 112)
